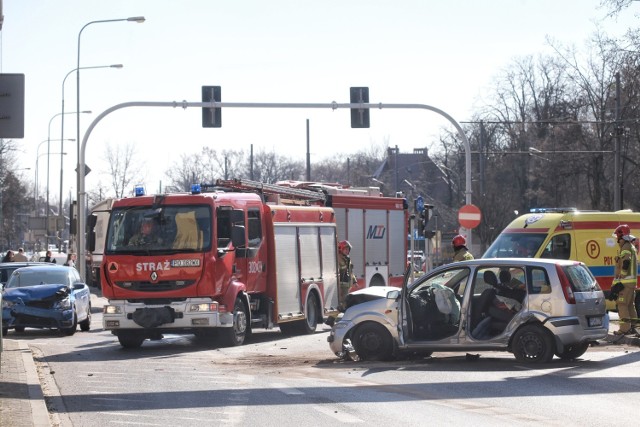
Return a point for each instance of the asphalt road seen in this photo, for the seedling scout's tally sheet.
(89, 380)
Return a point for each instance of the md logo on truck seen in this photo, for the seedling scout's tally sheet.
(376, 232)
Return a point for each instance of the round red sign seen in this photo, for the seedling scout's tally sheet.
(469, 216)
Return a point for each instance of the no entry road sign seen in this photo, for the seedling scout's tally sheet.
(469, 216)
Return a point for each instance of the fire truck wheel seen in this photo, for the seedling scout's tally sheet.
(130, 339)
(234, 336)
(309, 325)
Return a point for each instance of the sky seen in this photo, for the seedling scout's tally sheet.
(440, 53)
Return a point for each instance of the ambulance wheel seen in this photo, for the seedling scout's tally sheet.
(533, 344)
(130, 339)
(573, 351)
(235, 335)
(372, 341)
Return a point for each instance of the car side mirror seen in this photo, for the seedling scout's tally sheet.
(395, 294)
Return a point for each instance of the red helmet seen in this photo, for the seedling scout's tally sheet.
(344, 244)
(459, 241)
(622, 230)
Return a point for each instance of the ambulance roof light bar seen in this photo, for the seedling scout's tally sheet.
(552, 210)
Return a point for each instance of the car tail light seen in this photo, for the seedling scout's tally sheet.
(566, 286)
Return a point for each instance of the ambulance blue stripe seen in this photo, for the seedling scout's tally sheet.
(602, 270)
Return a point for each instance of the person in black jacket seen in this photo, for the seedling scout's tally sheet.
(49, 258)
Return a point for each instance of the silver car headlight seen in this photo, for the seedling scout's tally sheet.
(7, 304)
(64, 304)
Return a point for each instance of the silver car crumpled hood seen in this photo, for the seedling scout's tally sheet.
(368, 294)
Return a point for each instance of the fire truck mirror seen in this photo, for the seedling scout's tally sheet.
(237, 216)
(238, 236)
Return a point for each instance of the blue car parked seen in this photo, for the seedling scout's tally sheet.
(46, 297)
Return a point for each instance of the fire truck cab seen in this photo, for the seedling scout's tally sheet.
(217, 264)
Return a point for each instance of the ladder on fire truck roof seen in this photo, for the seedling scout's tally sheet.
(248, 185)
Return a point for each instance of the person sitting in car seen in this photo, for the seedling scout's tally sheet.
(510, 287)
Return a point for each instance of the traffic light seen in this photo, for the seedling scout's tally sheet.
(428, 210)
(211, 117)
(421, 222)
(73, 224)
(359, 116)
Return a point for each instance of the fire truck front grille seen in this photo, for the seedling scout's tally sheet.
(169, 285)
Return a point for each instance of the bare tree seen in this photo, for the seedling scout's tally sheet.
(123, 170)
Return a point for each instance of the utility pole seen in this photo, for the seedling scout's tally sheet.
(308, 153)
(616, 161)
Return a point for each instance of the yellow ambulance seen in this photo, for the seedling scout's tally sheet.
(567, 233)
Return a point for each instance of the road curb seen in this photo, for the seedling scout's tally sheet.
(39, 411)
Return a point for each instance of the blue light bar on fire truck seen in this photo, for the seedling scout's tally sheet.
(139, 190)
(196, 189)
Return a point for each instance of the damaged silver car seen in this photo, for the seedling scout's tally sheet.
(533, 308)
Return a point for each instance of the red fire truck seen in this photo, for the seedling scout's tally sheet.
(218, 263)
(376, 227)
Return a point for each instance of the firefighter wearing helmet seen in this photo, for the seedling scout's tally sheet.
(347, 278)
(461, 252)
(625, 279)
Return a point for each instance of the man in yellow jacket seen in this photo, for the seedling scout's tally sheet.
(626, 272)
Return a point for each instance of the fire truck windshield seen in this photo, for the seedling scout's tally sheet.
(166, 229)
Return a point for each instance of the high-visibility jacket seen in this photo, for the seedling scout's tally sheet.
(626, 275)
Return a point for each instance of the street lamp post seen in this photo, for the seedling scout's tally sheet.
(61, 114)
(62, 124)
(138, 19)
(36, 177)
(37, 182)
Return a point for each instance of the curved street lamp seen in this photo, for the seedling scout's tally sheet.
(138, 19)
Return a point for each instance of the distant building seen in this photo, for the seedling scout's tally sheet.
(412, 174)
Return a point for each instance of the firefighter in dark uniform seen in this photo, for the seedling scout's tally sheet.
(625, 273)
(346, 277)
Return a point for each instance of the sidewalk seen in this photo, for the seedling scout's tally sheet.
(21, 399)
(22, 402)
